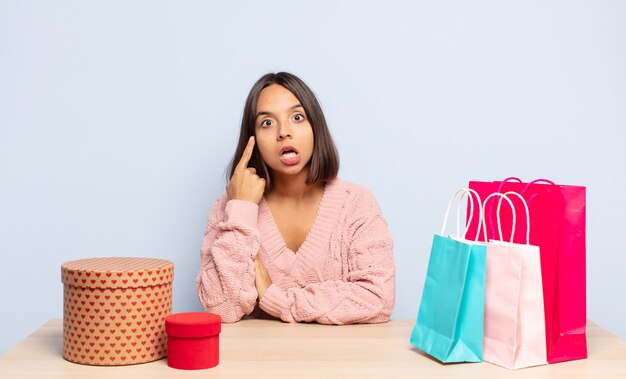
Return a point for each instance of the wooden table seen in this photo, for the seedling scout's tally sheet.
(271, 349)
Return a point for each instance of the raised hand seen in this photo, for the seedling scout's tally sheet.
(245, 184)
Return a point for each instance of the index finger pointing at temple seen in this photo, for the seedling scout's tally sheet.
(247, 154)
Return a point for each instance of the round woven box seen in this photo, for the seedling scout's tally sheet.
(114, 310)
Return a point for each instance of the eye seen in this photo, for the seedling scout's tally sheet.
(266, 123)
(298, 117)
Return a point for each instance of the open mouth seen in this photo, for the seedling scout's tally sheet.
(289, 155)
(288, 152)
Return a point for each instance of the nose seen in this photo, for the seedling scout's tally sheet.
(284, 131)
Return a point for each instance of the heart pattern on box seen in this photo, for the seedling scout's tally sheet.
(116, 326)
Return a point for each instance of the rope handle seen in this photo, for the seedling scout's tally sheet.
(468, 192)
(522, 192)
(525, 208)
(505, 197)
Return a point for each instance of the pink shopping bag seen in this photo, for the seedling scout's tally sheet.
(514, 334)
(557, 217)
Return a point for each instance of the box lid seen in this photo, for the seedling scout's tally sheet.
(117, 272)
(193, 324)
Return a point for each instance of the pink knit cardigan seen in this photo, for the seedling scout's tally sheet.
(342, 274)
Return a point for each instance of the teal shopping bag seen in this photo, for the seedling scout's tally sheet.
(449, 323)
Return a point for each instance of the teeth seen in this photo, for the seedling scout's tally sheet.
(289, 154)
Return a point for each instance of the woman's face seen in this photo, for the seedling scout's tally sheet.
(284, 135)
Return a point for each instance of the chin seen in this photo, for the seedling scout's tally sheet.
(290, 170)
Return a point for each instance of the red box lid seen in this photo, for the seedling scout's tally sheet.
(193, 324)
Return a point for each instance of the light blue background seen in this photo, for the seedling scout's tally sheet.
(117, 119)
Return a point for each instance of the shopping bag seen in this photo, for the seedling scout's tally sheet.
(557, 217)
(515, 335)
(449, 323)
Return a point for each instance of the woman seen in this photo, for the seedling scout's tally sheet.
(288, 239)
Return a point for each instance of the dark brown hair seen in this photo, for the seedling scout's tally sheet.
(324, 163)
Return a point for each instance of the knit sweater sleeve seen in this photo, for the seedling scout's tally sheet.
(367, 293)
(225, 281)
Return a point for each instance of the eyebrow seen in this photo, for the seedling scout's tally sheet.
(265, 113)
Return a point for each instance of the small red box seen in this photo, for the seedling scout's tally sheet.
(193, 340)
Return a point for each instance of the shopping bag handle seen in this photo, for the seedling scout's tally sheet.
(525, 208)
(468, 192)
(511, 179)
(505, 197)
(506, 180)
(546, 181)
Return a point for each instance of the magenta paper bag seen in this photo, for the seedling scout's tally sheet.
(514, 331)
(557, 226)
